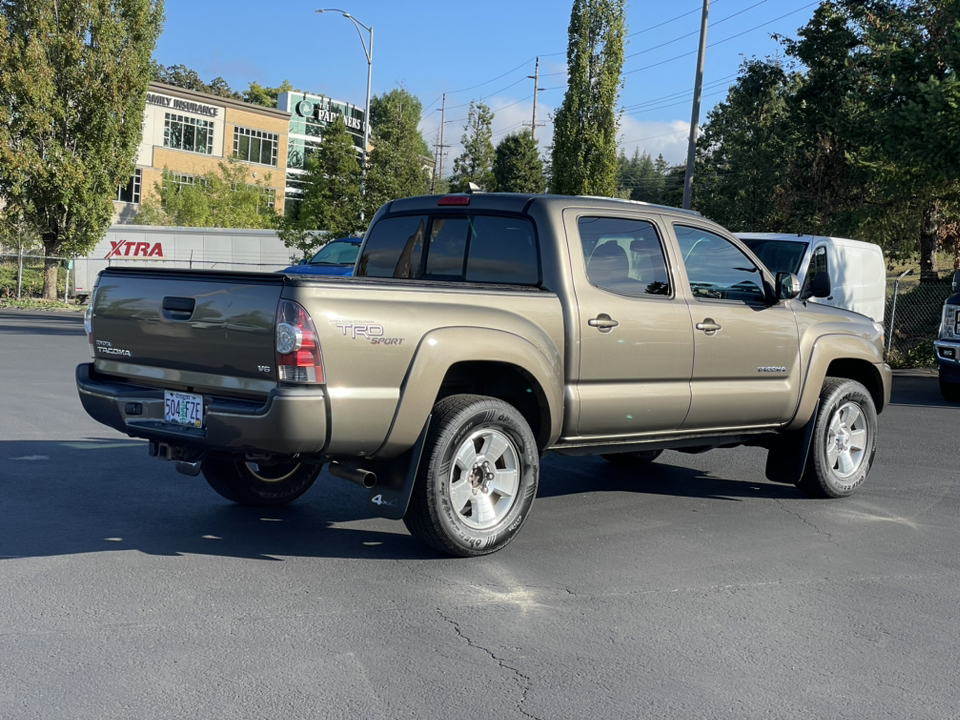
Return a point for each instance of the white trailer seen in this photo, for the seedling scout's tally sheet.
(180, 247)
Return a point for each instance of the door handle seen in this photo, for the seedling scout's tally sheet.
(709, 326)
(603, 322)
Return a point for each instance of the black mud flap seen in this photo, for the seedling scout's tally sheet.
(787, 457)
(390, 497)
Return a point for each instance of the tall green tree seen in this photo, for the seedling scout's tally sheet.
(640, 177)
(221, 198)
(517, 166)
(585, 126)
(73, 85)
(475, 163)
(400, 155)
(266, 96)
(910, 53)
(331, 205)
(183, 77)
(745, 150)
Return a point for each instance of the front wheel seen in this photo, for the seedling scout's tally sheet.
(259, 484)
(478, 477)
(844, 440)
(949, 390)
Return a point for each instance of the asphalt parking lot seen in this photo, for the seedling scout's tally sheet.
(694, 590)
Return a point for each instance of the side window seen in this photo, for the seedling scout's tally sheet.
(718, 269)
(624, 256)
(394, 248)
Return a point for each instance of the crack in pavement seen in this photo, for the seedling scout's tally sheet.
(802, 519)
(523, 681)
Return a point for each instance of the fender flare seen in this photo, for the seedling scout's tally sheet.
(440, 349)
(848, 348)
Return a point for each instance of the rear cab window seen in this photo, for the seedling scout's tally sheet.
(475, 248)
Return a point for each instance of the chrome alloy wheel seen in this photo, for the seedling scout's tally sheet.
(484, 478)
(848, 438)
(272, 473)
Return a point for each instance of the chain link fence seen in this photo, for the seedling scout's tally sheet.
(912, 317)
(21, 276)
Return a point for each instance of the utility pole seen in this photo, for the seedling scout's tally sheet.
(536, 90)
(438, 163)
(695, 115)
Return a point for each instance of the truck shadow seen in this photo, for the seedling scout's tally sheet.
(658, 478)
(63, 498)
(88, 496)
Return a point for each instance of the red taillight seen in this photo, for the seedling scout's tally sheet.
(88, 325)
(454, 200)
(298, 346)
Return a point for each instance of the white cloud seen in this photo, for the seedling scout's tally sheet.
(655, 138)
(667, 138)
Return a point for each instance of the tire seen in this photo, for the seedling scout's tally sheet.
(949, 390)
(478, 477)
(638, 458)
(248, 483)
(844, 440)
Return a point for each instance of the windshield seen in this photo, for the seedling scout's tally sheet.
(336, 253)
(778, 255)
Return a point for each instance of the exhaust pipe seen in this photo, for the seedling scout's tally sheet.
(363, 478)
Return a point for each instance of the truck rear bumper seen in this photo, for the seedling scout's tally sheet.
(290, 420)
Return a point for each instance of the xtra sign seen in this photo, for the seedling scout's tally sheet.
(129, 248)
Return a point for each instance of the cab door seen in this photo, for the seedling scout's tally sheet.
(635, 340)
(746, 368)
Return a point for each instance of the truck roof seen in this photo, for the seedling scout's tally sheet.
(518, 202)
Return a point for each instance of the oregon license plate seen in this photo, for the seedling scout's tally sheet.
(183, 408)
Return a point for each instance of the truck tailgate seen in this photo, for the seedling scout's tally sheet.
(173, 324)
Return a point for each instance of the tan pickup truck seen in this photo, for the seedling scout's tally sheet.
(479, 332)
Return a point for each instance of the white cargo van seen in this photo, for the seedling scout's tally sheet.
(181, 247)
(857, 271)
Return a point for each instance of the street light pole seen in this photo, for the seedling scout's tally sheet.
(368, 51)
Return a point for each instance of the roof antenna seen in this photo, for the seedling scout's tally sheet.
(472, 188)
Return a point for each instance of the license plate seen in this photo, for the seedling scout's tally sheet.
(183, 408)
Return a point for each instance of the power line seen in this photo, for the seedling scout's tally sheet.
(667, 22)
(720, 42)
(682, 93)
(675, 104)
(695, 32)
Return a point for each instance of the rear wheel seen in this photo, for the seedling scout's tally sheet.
(478, 477)
(844, 440)
(638, 458)
(258, 484)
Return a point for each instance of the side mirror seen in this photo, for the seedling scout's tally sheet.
(956, 282)
(303, 261)
(788, 286)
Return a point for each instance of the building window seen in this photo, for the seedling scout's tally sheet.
(130, 193)
(255, 146)
(187, 133)
(182, 180)
(270, 197)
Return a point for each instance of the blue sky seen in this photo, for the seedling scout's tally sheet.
(479, 51)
